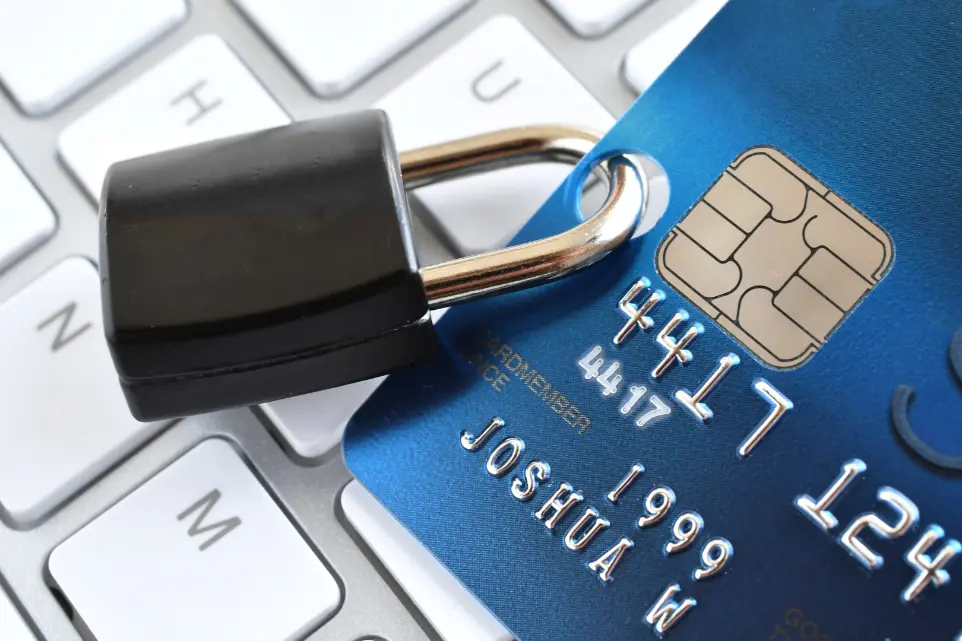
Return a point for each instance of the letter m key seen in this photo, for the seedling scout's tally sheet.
(198, 526)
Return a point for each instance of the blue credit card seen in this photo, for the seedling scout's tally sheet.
(747, 424)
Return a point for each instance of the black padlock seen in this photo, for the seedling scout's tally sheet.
(280, 262)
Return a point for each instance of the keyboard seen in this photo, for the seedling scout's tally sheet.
(245, 525)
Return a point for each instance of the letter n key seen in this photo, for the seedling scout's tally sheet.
(66, 330)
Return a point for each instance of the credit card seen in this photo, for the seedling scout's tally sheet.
(746, 424)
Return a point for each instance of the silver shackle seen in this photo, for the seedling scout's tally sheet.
(541, 260)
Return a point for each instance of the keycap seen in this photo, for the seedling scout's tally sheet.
(51, 50)
(26, 219)
(596, 17)
(200, 551)
(498, 76)
(64, 418)
(450, 609)
(201, 92)
(333, 46)
(12, 626)
(313, 423)
(650, 57)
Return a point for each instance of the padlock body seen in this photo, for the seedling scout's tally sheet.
(261, 266)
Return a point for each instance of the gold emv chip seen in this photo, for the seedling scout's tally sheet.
(774, 256)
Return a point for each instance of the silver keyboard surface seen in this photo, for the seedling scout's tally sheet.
(245, 525)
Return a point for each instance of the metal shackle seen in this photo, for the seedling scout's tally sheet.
(538, 261)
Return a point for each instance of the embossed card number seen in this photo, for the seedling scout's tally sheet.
(675, 344)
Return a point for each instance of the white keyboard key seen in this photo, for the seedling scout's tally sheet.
(65, 420)
(650, 57)
(12, 626)
(51, 50)
(198, 552)
(592, 18)
(314, 423)
(201, 92)
(499, 76)
(25, 217)
(453, 611)
(334, 45)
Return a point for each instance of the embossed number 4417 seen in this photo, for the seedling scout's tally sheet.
(609, 379)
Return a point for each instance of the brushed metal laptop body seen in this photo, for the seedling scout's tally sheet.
(86, 82)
